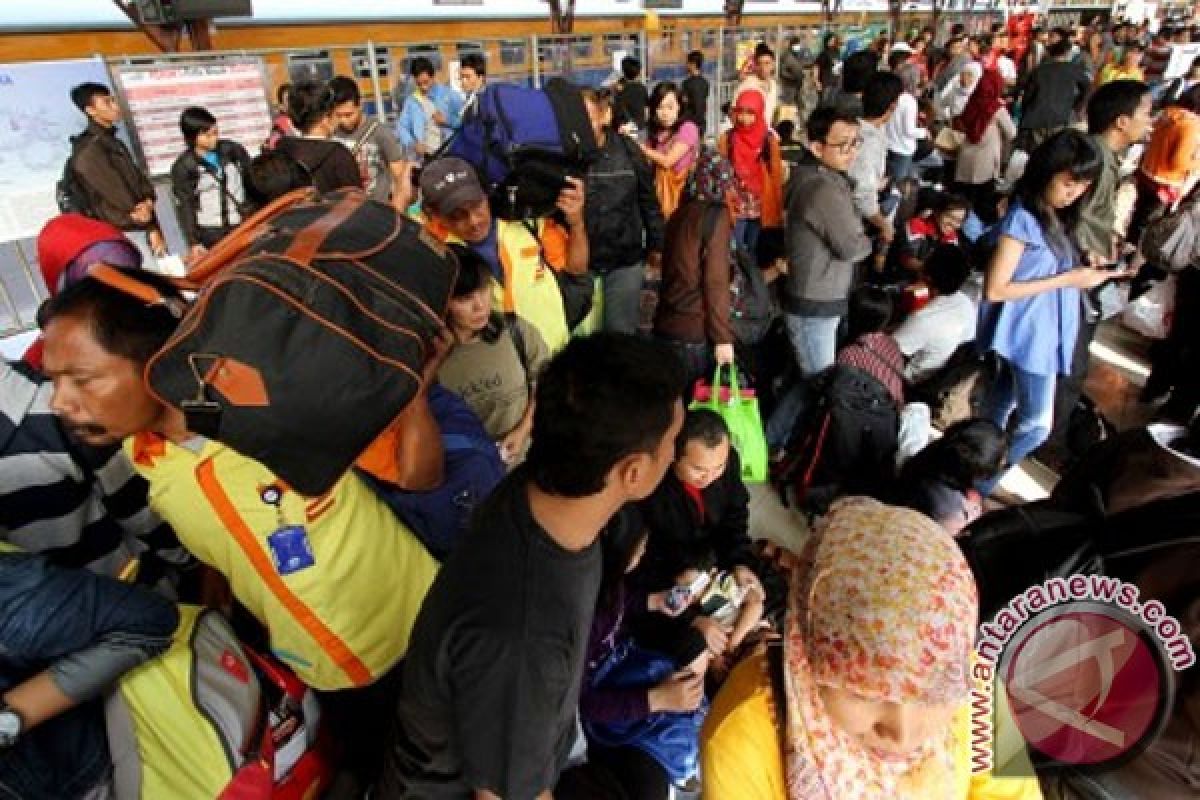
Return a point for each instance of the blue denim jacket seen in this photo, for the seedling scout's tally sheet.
(410, 128)
(48, 614)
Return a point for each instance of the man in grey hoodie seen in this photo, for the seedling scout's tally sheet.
(825, 238)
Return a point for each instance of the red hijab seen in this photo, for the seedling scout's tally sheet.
(746, 143)
(985, 101)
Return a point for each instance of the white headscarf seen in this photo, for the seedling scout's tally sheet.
(953, 99)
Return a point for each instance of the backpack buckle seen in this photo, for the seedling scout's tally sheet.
(202, 413)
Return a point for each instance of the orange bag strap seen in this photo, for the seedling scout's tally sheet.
(240, 238)
(125, 282)
(309, 240)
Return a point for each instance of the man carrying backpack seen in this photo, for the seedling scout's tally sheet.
(101, 178)
(386, 174)
(523, 254)
(335, 580)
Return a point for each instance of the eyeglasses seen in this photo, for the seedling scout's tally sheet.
(848, 146)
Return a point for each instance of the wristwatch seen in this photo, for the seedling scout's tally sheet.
(10, 726)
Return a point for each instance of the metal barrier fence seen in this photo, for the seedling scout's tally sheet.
(382, 71)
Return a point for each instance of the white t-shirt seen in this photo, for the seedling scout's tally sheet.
(1007, 70)
(902, 130)
(930, 336)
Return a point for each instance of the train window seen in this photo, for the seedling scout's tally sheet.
(614, 42)
(708, 39)
(463, 48)
(360, 61)
(310, 65)
(552, 51)
(581, 47)
(512, 52)
(430, 51)
(668, 36)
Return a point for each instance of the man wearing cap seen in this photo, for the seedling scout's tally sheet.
(520, 253)
(81, 506)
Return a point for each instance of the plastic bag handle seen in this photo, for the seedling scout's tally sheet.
(734, 390)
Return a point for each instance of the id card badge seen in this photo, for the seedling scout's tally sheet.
(290, 549)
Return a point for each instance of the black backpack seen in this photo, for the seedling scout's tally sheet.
(69, 192)
(752, 306)
(848, 444)
(1012, 549)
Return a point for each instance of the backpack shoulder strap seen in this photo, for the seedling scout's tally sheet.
(518, 337)
(535, 231)
(367, 134)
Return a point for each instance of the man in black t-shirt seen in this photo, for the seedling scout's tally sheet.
(695, 91)
(494, 666)
(629, 106)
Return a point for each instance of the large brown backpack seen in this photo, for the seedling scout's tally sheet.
(309, 333)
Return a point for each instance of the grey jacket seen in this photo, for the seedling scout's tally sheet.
(868, 173)
(825, 240)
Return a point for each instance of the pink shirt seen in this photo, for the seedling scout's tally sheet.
(689, 134)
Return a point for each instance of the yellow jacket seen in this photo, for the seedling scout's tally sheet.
(742, 758)
(529, 288)
(340, 622)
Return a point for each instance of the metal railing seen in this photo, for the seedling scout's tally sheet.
(381, 69)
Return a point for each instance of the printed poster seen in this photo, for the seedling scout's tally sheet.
(232, 91)
(37, 121)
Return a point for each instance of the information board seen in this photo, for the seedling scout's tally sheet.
(37, 121)
(233, 91)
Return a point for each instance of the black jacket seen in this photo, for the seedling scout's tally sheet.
(111, 180)
(678, 531)
(1053, 92)
(624, 220)
(209, 201)
(328, 162)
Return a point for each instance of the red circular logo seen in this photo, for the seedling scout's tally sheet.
(1086, 686)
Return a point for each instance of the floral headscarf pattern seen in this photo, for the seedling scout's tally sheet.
(711, 179)
(883, 605)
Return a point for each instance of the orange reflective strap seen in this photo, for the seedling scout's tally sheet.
(510, 303)
(327, 640)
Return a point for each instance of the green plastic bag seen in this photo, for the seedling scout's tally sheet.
(739, 409)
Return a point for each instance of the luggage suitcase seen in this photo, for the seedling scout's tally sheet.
(309, 334)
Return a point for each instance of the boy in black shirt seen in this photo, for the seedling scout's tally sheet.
(494, 668)
(632, 97)
(695, 91)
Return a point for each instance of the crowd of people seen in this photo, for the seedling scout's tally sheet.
(865, 234)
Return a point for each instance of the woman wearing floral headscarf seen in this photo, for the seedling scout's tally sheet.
(874, 697)
(693, 301)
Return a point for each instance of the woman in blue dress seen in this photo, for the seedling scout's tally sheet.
(1030, 314)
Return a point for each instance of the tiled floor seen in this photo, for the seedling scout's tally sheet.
(1119, 366)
